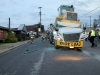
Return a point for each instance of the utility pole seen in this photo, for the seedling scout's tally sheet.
(40, 16)
(90, 21)
(9, 23)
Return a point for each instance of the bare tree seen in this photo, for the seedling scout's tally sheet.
(95, 23)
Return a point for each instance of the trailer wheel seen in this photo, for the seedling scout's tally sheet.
(55, 44)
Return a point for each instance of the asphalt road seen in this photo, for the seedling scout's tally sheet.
(69, 62)
(41, 58)
(22, 60)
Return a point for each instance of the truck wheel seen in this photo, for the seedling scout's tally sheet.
(55, 44)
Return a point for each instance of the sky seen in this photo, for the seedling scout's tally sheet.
(27, 11)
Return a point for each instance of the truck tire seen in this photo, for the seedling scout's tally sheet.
(55, 44)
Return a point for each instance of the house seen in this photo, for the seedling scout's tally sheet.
(20, 32)
(34, 28)
(31, 28)
(3, 32)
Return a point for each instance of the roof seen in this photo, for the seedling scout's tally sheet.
(14, 29)
(31, 28)
(1, 27)
(22, 27)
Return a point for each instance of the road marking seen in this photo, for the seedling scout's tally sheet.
(37, 65)
(96, 56)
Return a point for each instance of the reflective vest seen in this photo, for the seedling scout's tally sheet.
(99, 33)
(92, 33)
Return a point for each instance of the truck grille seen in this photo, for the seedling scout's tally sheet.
(71, 37)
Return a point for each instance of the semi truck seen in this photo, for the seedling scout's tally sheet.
(67, 30)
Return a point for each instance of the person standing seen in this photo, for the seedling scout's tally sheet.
(96, 38)
(32, 37)
(86, 36)
(99, 34)
(43, 36)
(92, 36)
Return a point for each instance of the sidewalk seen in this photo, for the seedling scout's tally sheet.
(7, 46)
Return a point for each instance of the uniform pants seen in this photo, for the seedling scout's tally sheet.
(92, 40)
(96, 40)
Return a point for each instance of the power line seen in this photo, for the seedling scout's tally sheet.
(90, 11)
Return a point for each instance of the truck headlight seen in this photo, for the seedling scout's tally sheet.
(58, 38)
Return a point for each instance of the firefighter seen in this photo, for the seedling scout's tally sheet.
(99, 34)
(32, 36)
(92, 36)
(96, 37)
(43, 36)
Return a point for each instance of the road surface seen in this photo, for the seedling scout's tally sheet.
(41, 58)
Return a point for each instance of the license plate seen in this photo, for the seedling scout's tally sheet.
(71, 44)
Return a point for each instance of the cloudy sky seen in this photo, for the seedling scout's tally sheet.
(27, 11)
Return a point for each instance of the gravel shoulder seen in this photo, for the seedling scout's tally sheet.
(7, 46)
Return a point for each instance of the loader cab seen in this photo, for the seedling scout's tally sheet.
(63, 8)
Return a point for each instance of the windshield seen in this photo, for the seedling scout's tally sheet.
(65, 8)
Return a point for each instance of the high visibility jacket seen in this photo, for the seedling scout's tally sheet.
(99, 33)
(92, 33)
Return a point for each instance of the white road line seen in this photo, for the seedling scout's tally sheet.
(37, 65)
(96, 56)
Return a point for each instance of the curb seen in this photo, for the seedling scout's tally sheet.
(9, 49)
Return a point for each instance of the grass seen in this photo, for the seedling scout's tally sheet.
(4, 46)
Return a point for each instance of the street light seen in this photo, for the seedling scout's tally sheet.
(40, 17)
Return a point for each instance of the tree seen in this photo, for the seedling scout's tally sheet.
(11, 38)
(95, 23)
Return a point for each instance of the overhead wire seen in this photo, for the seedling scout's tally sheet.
(90, 11)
